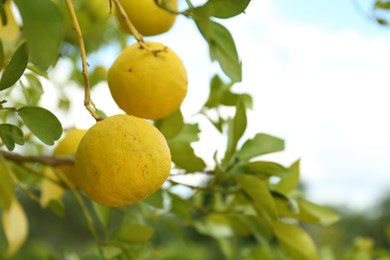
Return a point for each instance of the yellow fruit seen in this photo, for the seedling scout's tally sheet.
(67, 148)
(121, 160)
(148, 84)
(147, 17)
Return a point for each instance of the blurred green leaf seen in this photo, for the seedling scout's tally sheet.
(262, 233)
(33, 91)
(382, 4)
(322, 214)
(288, 184)
(3, 15)
(295, 241)
(6, 185)
(221, 46)
(57, 207)
(134, 233)
(236, 128)
(179, 206)
(2, 55)
(261, 169)
(42, 123)
(111, 252)
(189, 133)
(223, 8)
(183, 155)
(156, 199)
(103, 214)
(15, 68)
(257, 190)
(43, 27)
(259, 145)
(11, 135)
(171, 125)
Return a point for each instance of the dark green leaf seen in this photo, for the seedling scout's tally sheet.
(259, 145)
(236, 129)
(259, 193)
(223, 8)
(15, 68)
(1, 55)
(288, 184)
(134, 233)
(41, 123)
(43, 27)
(11, 135)
(171, 125)
(103, 213)
(184, 157)
(6, 185)
(295, 241)
(57, 207)
(221, 45)
(261, 169)
(3, 15)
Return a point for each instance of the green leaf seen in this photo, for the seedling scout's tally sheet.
(42, 123)
(221, 46)
(223, 8)
(289, 183)
(188, 134)
(57, 207)
(261, 169)
(11, 135)
(171, 125)
(2, 55)
(134, 233)
(179, 206)
(3, 15)
(15, 68)
(183, 155)
(259, 145)
(322, 214)
(258, 191)
(43, 27)
(34, 91)
(382, 5)
(295, 241)
(155, 199)
(236, 129)
(103, 214)
(6, 185)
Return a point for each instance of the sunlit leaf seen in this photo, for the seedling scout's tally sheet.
(50, 187)
(15, 227)
(259, 145)
(103, 213)
(259, 193)
(11, 135)
(43, 27)
(323, 214)
(289, 183)
(171, 125)
(223, 8)
(261, 169)
(236, 129)
(221, 46)
(183, 155)
(42, 123)
(134, 233)
(111, 252)
(6, 185)
(15, 68)
(295, 241)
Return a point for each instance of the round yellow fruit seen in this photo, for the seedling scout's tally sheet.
(121, 160)
(148, 84)
(66, 148)
(147, 17)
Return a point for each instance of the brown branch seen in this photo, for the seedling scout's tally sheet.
(43, 159)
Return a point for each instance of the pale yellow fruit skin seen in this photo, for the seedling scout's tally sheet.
(66, 148)
(10, 32)
(121, 160)
(146, 84)
(147, 17)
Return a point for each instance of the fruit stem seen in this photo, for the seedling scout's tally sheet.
(89, 105)
(137, 35)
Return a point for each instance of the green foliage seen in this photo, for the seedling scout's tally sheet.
(246, 207)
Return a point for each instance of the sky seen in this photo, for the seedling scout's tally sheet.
(317, 71)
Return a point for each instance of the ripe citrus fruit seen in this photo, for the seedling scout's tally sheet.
(147, 17)
(121, 160)
(66, 148)
(148, 84)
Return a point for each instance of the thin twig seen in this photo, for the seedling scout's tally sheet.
(89, 105)
(43, 159)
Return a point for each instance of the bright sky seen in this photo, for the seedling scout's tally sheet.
(318, 73)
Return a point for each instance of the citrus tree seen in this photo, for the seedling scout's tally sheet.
(122, 172)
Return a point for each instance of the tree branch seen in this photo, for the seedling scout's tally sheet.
(43, 159)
